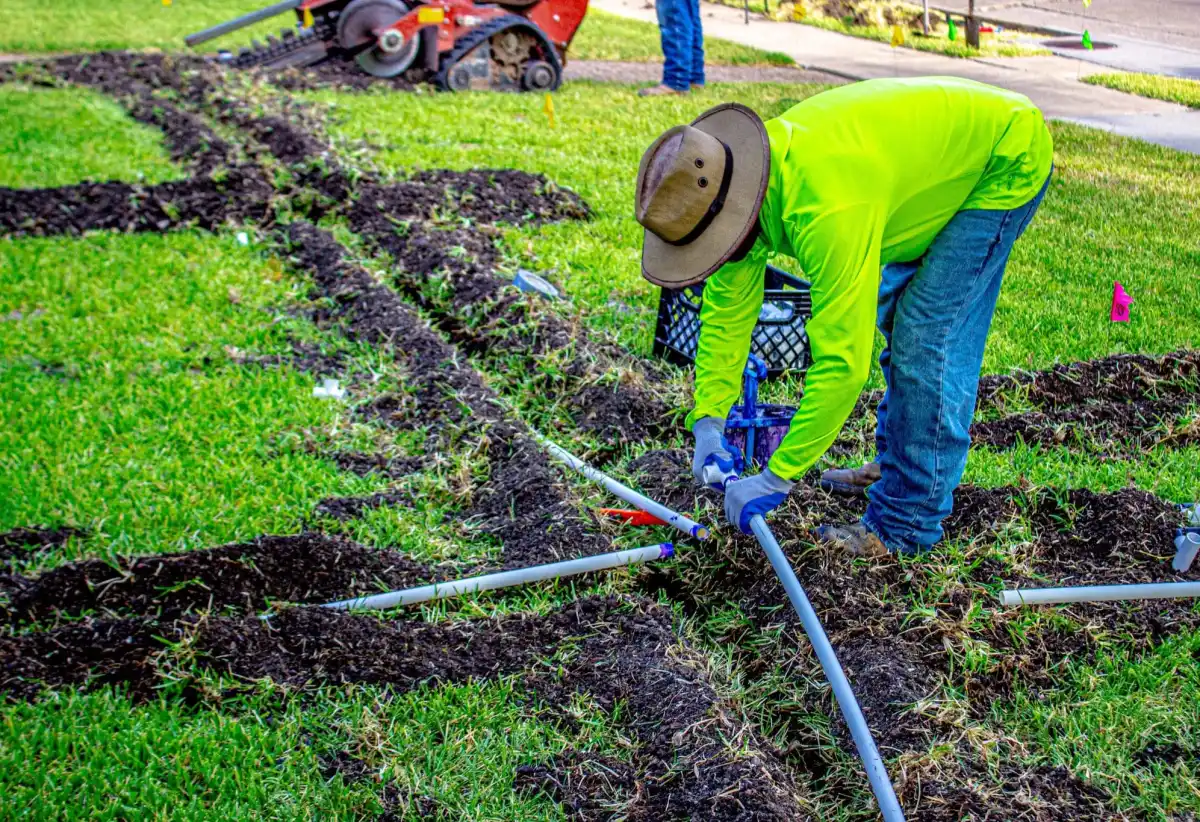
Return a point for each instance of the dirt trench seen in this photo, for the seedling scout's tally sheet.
(524, 503)
(242, 578)
(613, 650)
(606, 390)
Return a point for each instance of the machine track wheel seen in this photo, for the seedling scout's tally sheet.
(356, 34)
(508, 53)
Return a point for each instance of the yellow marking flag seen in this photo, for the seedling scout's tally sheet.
(308, 19)
(897, 36)
(799, 12)
(166, 2)
(548, 108)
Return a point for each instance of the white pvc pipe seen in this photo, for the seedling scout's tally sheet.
(504, 579)
(1100, 593)
(674, 518)
(877, 774)
(1187, 545)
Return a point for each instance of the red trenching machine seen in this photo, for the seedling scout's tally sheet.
(514, 45)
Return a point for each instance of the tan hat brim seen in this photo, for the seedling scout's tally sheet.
(676, 266)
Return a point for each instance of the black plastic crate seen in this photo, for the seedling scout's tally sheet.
(779, 337)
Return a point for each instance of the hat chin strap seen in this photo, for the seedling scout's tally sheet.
(717, 204)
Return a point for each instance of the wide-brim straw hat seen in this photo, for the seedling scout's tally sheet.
(699, 191)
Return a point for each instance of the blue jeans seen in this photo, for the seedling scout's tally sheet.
(682, 43)
(935, 313)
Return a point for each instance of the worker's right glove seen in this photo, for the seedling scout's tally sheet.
(712, 449)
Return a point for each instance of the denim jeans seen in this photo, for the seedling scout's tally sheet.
(682, 43)
(935, 313)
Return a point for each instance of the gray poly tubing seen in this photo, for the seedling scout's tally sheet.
(240, 22)
(674, 518)
(504, 579)
(1187, 545)
(1100, 593)
(881, 784)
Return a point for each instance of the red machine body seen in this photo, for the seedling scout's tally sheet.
(515, 45)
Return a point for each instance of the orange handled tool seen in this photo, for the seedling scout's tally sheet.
(630, 517)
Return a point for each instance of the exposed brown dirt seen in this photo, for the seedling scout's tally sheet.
(246, 577)
(620, 651)
(232, 197)
(894, 659)
(1119, 378)
(357, 462)
(347, 508)
(21, 541)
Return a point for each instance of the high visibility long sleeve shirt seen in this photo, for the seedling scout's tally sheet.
(861, 176)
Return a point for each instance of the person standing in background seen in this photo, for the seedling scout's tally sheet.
(682, 45)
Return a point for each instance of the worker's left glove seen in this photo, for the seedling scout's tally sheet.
(753, 496)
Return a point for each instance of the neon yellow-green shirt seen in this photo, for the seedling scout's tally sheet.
(861, 176)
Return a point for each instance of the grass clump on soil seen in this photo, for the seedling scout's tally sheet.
(873, 20)
(33, 27)
(1173, 89)
(56, 137)
(604, 36)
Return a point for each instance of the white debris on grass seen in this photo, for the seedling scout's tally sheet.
(329, 390)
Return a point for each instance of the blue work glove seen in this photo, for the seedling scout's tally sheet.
(754, 496)
(713, 449)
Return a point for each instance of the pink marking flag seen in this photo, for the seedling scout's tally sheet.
(1120, 304)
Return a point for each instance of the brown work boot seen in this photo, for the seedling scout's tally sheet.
(854, 539)
(852, 482)
(658, 91)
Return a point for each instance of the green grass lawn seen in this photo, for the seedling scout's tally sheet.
(1101, 221)
(134, 415)
(33, 26)
(1005, 44)
(56, 137)
(605, 36)
(1172, 89)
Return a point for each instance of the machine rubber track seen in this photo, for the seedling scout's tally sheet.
(484, 32)
(291, 48)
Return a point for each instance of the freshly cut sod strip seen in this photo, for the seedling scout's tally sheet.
(1173, 89)
(58, 137)
(605, 36)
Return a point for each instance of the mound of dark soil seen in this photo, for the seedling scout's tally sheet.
(233, 195)
(308, 567)
(1119, 378)
(21, 541)
(89, 654)
(482, 195)
(347, 508)
(343, 75)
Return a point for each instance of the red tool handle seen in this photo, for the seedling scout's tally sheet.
(630, 517)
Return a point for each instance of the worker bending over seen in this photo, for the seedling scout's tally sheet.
(901, 199)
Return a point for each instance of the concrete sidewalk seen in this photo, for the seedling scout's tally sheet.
(1051, 82)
